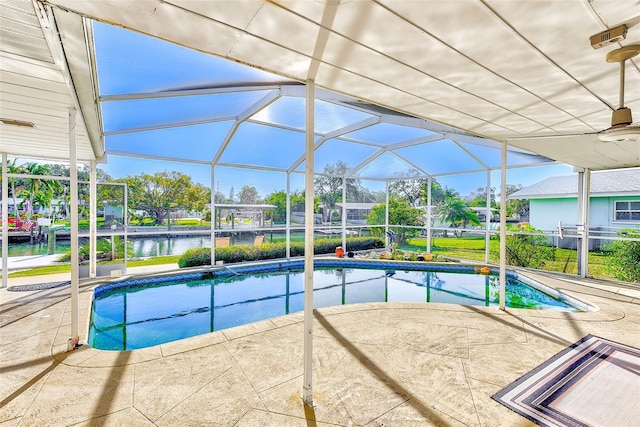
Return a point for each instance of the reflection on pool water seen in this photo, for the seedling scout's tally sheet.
(137, 314)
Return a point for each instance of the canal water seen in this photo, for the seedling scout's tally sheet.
(142, 247)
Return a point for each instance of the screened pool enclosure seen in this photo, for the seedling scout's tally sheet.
(208, 112)
(322, 88)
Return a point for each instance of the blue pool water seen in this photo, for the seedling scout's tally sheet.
(141, 313)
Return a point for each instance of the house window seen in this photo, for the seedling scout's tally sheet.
(627, 211)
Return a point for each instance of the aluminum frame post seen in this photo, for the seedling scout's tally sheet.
(213, 216)
(5, 222)
(93, 218)
(503, 227)
(287, 219)
(344, 214)
(307, 390)
(386, 214)
(429, 215)
(487, 234)
(73, 183)
(125, 225)
(583, 227)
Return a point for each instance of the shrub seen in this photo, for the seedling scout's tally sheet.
(240, 253)
(400, 212)
(103, 250)
(528, 250)
(624, 258)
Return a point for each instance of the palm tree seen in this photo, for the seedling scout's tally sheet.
(455, 211)
(13, 168)
(38, 190)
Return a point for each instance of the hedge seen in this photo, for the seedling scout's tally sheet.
(239, 253)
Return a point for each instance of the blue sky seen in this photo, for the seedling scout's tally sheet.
(267, 182)
(133, 63)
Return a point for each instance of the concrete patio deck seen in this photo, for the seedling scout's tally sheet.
(378, 364)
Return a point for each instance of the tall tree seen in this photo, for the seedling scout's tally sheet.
(517, 208)
(328, 186)
(279, 199)
(248, 195)
(438, 193)
(162, 192)
(479, 197)
(410, 189)
(221, 199)
(199, 196)
(400, 214)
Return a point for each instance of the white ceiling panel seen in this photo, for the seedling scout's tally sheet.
(291, 64)
(289, 36)
(237, 13)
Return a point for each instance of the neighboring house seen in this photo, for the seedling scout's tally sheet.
(21, 204)
(481, 212)
(357, 212)
(112, 213)
(614, 201)
(246, 214)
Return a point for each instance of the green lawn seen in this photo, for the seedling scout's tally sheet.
(66, 268)
(472, 248)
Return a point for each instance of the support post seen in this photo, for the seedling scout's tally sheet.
(125, 225)
(344, 214)
(583, 227)
(429, 215)
(213, 217)
(386, 214)
(307, 391)
(503, 227)
(93, 219)
(487, 235)
(73, 183)
(288, 217)
(5, 222)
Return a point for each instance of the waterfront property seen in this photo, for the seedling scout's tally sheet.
(460, 88)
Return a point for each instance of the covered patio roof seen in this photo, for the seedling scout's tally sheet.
(445, 79)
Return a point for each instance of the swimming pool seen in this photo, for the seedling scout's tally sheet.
(141, 313)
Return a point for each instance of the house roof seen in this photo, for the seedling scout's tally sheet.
(356, 205)
(244, 206)
(603, 183)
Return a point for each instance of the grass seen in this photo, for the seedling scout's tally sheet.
(473, 247)
(159, 260)
(66, 268)
(38, 271)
